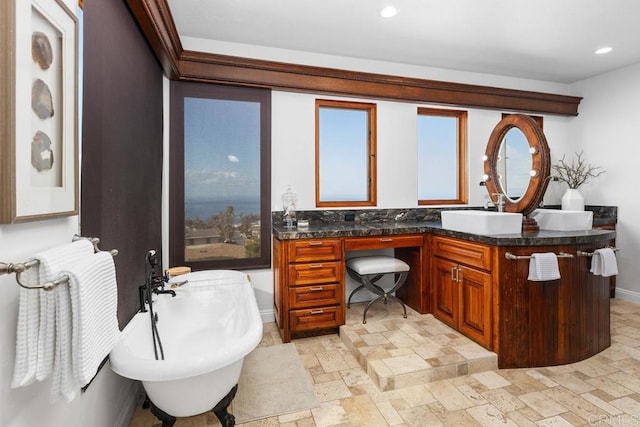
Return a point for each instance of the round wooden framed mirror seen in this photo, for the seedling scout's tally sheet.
(506, 162)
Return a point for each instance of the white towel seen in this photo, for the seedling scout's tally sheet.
(89, 325)
(604, 263)
(24, 372)
(36, 317)
(64, 385)
(543, 267)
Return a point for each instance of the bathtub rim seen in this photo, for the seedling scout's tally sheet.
(127, 364)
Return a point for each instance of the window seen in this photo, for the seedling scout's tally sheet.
(220, 188)
(345, 154)
(442, 156)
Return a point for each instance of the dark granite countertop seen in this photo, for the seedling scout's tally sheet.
(327, 224)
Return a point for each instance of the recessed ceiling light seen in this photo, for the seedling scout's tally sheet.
(604, 50)
(388, 12)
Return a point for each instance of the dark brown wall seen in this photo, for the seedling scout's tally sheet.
(121, 144)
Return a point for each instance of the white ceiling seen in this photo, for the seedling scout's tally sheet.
(549, 40)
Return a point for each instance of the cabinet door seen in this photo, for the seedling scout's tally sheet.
(445, 291)
(474, 319)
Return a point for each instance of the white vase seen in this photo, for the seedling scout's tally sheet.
(572, 200)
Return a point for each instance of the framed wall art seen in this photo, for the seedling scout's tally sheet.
(39, 110)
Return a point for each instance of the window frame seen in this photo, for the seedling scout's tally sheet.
(370, 108)
(462, 132)
(178, 92)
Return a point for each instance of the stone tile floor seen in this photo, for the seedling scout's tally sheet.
(603, 390)
(398, 353)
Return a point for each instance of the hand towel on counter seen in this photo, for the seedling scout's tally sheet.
(36, 313)
(543, 267)
(90, 316)
(604, 263)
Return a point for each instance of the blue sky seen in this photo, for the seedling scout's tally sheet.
(343, 154)
(437, 157)
(222, 149)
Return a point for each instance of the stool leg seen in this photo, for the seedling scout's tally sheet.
(404, 308)
(370, 283)
(351, 294)
(399, 282)
(364, 315)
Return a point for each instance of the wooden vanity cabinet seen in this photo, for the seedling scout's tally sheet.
(461, 282)
(308, 285)
(545, 323)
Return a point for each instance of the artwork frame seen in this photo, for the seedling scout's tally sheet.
(39, 113)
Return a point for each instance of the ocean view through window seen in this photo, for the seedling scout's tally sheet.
(221, 147)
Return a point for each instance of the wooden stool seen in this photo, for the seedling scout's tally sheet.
(368, 270)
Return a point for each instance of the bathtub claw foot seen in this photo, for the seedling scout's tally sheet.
(167, 420)
(221, 409)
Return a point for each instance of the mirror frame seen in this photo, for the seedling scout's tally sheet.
(541, 163)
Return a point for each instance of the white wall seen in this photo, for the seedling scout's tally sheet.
(109, 400)
(608, 129)
(293, 149)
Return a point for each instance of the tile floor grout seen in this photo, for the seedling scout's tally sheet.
(603, 390)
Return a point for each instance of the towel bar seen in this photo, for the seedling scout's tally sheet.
(21, 267)
(583, 253)
(509, 255)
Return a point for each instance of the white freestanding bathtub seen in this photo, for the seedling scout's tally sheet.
(206, 330)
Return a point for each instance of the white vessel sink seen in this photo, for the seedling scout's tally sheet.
(554, 219)
(482, 222)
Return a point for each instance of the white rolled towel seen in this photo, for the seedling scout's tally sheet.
(604, 263)
(543, 267)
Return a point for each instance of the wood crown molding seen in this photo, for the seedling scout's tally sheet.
(154, 18)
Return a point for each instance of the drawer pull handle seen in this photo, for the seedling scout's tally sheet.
(315, 243)
(316, 311)
(387, 240)
(316, 289)
(315, 266)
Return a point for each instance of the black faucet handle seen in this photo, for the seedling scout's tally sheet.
(165, 291)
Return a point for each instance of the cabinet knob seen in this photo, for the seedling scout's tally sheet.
(316, 288)
(315, 243)
(316, 311)
(315, 265)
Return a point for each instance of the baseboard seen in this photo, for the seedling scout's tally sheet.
(627, 295)
(267, 316)
(131, 404)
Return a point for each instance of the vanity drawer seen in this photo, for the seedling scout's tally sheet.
(315, 250)
(383, 242)
(315, 296)
(471, 254)
(316, 318)
(316, 272)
